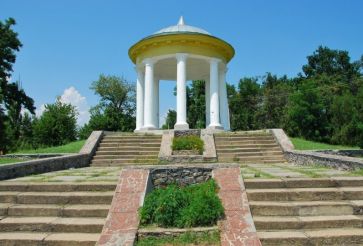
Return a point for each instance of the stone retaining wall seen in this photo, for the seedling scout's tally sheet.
(334, 161)
(182, 176)
(51, 164)
(343, 152)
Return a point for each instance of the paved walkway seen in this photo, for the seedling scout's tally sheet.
(87, 174)
(288, 170)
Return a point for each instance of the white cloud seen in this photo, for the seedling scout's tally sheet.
(39, 111)
(73, 97)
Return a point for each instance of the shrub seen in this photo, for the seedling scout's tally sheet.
(188, 143)
(195, 205)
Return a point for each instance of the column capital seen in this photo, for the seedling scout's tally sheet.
(214, 60)
(139, 68)
(149, 61)
(181, 56)
(223, 69)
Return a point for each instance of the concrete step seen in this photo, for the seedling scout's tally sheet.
(231, 145)
(52, 224)
(33, 210)
(56, 187)
(247, 141)
(129, 145)
(255, 153)
(53, 239)
(127, 141)
(304, 194)
(303, 182)
(121, 164)
(56, 197)
(123, 157)
(229, 148)
(306, 222)
(132, 137)
(125, 152)
(303, 208)
(333, 236)
(127, 148)
(252, 160)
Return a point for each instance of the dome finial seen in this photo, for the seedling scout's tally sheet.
(181, 21)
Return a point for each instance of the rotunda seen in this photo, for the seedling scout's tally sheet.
(181, 53)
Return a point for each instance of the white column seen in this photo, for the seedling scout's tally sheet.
(149, 97)
(181, 93)
(140, 83)
(223, 100)
(207, 102)
(214, 95)
(156, 103)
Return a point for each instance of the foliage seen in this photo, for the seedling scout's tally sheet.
(188, 143)
(196, 104)
(116, 110)
(170, 120)
(194, 205)
(56, 126)
(188, 238)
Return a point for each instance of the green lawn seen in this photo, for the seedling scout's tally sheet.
(73, 147)
(4, 161)
(302, 144)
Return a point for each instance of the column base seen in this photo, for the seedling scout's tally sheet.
(181, 126)
(215, 127)
(147, 128)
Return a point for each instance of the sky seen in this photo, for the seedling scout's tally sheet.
(67, 44)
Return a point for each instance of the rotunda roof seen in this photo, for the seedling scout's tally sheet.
(181, 27)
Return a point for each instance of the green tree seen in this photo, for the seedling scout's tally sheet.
(57, 125)
(116, 110)
(244, 104)
(196, 104)
(9, 45)
(170, 120)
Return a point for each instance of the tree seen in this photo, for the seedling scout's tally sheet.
(57, 125)
(170, 120)
(116, 110)
(244, 103)
(196, 104)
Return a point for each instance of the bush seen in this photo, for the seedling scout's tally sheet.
(188, 143)
(195, 205)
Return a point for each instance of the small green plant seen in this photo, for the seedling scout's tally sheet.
(188, 143)
(174, 206)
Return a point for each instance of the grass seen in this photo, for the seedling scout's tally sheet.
(302, 144)
(188, 238)
(4, 161)
(73, 147)
(188, 143)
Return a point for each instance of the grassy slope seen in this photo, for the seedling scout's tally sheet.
(4, 161)
(73, 147)
(302, 144)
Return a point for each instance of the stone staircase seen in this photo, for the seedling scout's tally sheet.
(118, 149)
(248, 148)
(63, 214)
(307, 211)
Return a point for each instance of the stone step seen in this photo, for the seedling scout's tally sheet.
(127, 148)
(129, 145)
(250, 154)
(304, 194)
(124, 157)
(56, 197)
(333, 236)
(56, 187)
(52, 224)
(53, 239)
(253, 159)
(132, 137)
(303, 182)
(247, 140)
(125, 152)
(304, 208)
(230, 145)
(33, 210)
(306, 222)
(243, 150)
(121, 164)
(135, 141)
(241, 138)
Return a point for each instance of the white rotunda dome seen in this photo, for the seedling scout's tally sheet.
(181, 27)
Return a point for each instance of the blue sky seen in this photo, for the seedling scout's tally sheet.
(68, 43)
